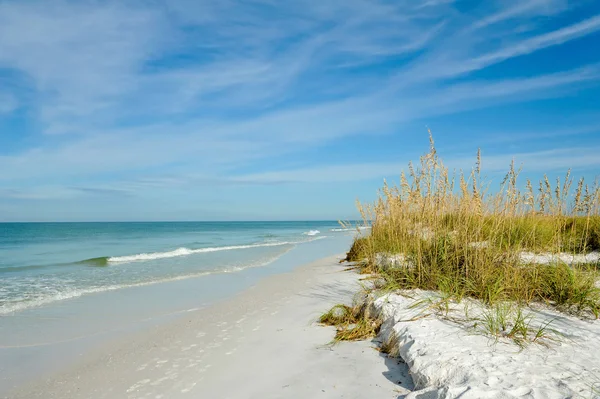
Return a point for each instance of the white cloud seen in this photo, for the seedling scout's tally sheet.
(519, 9)
(555, 160)
(560, 160)
(80, 57)
(223, 146)
(92, 63)
(473, 49)
(539, 42)
(205, 88)
(94, 66)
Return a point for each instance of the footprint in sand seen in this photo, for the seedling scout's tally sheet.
(193, 364)
(159, 381)
(138, 385)
(187, 348)
(188, 388)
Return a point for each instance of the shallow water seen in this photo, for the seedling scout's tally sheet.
(63, 307)
(41, 263)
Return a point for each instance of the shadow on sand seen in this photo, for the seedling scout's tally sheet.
(397, 370)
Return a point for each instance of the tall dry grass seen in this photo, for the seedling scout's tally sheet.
(457, 236)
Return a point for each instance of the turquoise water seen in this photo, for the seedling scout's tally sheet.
(43, 263)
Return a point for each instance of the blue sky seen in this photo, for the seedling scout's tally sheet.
(263, 109)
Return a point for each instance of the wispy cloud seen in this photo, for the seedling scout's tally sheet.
(519, 9)
(559, 160)
(477, 47)
(220, 146)
(212, 57)
(119, 95)
(539, 42)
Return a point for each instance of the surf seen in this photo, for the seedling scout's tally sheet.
(183, 251)
(311, 233)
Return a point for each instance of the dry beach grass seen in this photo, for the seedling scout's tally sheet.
(456, 237)
(448, 232)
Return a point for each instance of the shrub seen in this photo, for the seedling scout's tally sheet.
(462, 238)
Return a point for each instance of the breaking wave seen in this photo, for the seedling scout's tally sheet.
(186, 251)
(353, 228)
(311, 233)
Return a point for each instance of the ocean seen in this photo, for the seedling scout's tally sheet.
(68, 288)
(43, 263)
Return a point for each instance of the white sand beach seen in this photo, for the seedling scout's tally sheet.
(265, 343)
(258, 199)
(262, 343)
(450, 357)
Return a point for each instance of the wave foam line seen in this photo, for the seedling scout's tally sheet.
(352, 229)
(311, 233)
(75, 293)
(187, 251)
(8, 308)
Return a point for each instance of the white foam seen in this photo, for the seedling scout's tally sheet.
(75, 293)
(187, 251)
(352, 229)
(8, 308)
(312, 233)
(22, 303)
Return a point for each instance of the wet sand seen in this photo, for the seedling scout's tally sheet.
(261, 343)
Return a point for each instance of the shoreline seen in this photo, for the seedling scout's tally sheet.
(262, 342)
(40, 340)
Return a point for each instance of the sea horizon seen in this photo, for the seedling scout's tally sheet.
(187, 221)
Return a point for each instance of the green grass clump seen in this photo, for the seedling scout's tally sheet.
(339, 314)
(463, 240)
(352, 323)
(546, 233)
(358, 250)
(363, 329)
(571, 287)
(504, 320)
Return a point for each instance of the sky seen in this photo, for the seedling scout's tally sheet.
(282, 110)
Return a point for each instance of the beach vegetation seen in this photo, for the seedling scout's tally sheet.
(510, 321)
(337, 315)
(451, 233)
(391, 345)
(353, 323)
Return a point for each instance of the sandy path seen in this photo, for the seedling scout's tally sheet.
(260, 344)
